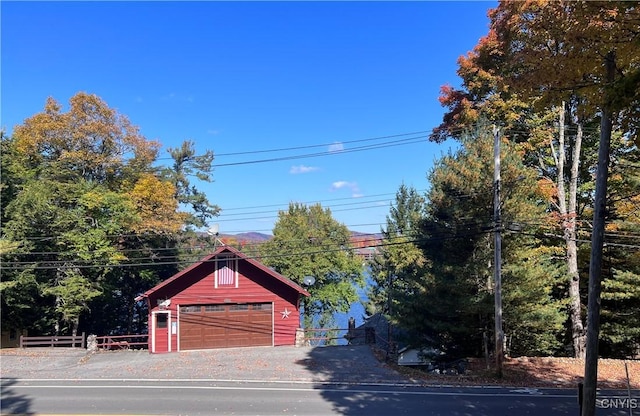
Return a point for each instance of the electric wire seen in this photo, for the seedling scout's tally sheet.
(462, 222)
(400, 142)
(367, 242)
(62, 265)
(283, 149)
(325, 153)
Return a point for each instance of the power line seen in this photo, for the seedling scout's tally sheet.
(418, 137)
(359, 201)
(276, 214)
(66, 264)
(282, 149)
(402, 142)
(330, 207)
(473, 226)
(316, 201)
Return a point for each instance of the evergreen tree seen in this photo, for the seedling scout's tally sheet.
(621, 279)
(451, 304)
(399, 259)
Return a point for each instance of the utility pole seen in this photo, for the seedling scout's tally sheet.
(389, 283)
(597, 243)
(497, 261)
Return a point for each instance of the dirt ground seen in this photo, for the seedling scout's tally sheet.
(339, 364)
(539, 372)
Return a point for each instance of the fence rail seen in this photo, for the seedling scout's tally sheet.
(122, 342)
(53, 341)
(326, 336)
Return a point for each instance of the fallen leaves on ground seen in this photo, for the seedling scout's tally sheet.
(557, 372)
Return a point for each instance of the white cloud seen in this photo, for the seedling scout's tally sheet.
(213, 132)
(339, 185)
(178, 98)
(336, 147)
(352, 186)
(302, 169)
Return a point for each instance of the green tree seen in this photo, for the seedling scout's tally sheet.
(452, 302)
(186, 164)
(621, 280)
(399, 259)
(61, 228)
(72, 292)
(550, 138)
(82, 203)
(308, 241)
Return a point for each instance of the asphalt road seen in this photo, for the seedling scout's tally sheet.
(153, 397)
(342, 380)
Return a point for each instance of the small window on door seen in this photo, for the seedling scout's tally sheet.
(161, 320)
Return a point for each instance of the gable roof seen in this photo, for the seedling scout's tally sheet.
(241, 256)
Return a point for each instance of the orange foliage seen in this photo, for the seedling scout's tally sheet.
(547, 188)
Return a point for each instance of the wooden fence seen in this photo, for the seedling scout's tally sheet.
(53, 341)
(329, 336)
(122, 342)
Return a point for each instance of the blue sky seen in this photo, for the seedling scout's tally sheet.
(349, 88)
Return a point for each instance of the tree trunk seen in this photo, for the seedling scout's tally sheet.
(575, 306)
(130, 311)
(579, 333)
(74, 326)
(56, 325)
(568, 215)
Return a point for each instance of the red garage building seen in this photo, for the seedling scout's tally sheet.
(224, 300)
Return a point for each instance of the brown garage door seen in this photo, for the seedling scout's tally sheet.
(222, 326)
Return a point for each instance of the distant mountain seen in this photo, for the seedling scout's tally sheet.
(253, 237)
(359, 235)
(365, 244)
(360, 239)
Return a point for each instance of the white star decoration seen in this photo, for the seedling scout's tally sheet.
(285, 314)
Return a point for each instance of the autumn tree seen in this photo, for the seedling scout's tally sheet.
(541, 136)
(535, 57)
(555, 149)
(588, 49)
(82, 201)
(308, 241)
(64, 230)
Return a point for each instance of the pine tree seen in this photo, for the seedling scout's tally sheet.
(451, 303)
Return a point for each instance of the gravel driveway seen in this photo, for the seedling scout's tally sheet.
(339, 364)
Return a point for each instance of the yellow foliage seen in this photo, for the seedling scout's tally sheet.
(157, 206)
(628, 209)
(91, 137)
(547, 188)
